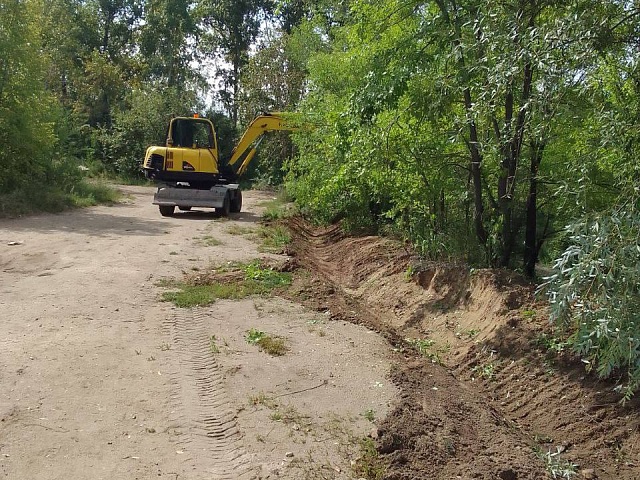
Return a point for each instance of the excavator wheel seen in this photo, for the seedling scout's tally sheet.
(226, 207)
(167, 210)
(236, 205)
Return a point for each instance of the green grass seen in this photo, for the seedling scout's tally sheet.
(201, 295)
(275, 346)
(278, 208)
(52, 199)
(550, 343)
(240, 230)
(210, 241)
(274, 238)
(213, 345)
(255, 279)
(262, 399)
(428, 348)
(369, 465)
(369, 415)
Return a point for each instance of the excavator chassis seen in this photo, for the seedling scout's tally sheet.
(191, 197)
(224, 198)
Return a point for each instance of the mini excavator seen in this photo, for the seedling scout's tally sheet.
(188, 167)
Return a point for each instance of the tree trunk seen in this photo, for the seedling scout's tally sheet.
(531, 245)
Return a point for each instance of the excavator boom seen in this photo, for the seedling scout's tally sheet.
(267, 122)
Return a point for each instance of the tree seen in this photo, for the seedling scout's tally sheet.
(416, 87)
(27, 111)
(167, 39)
(231, 28)
(273, 81)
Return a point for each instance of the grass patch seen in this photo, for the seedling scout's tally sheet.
(551, 343)
(202, 295)
(486, 370)
(240, 230)
(233, 282)
(265, 275)
(278, 208)
(262, 399)
(51, 199)
(428, 348)
(274, 238)
(369, 415)
(275, 346)
(369, 465)
(213, 345)
(209, 241)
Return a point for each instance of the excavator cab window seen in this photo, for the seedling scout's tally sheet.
(189, 133)
(202, 135)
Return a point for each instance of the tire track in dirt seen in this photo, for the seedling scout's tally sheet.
(207, 430)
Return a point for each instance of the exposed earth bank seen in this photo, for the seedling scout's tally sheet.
(485, 391)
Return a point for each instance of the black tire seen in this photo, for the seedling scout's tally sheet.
(185, 209)
(236, 205)
(226, 207)
(167, 210)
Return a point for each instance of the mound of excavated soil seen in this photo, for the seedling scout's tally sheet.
(484, 397)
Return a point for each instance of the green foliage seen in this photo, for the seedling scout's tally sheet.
(26, 133)
(557, 466)
(141, 124)
(265, 276)
(53, 199)
(213, 345)
(369, 464)
(438, 125)
(254, 336)
(428, 348)
(273, 81)
(274, 238)
(369, 415)
(485, 371)
(169, 25)
(278, 208)
(595, 293)
(230, 29)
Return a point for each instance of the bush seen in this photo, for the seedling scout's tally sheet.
(595, 294)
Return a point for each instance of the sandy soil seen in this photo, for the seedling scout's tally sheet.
(101, 380)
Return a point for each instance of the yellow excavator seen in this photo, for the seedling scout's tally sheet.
(188, 166)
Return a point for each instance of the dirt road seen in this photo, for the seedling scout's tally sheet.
(101, 380)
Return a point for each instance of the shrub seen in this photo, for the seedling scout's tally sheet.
(595, 294)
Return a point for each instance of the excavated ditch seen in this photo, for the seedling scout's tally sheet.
(483, 399)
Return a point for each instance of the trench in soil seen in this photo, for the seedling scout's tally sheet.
(480, 396)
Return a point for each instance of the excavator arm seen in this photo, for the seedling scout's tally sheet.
(246, 147)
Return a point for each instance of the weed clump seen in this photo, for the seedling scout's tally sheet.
(275, 346)
(232, 282)
(369, 465)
